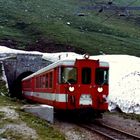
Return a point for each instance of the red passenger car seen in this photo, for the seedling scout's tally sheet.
(70, 85)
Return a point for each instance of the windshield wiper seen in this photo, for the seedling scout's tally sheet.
(66, 81)
(105, 81)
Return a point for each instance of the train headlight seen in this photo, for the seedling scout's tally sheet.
(71, 89)
(100, 89)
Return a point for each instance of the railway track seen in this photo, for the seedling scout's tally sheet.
(109, 132)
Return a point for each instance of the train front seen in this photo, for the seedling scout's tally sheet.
(86, 85)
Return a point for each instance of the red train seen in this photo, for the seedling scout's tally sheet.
(70, 85)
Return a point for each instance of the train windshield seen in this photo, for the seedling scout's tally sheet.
(101, 76)
(86, 75)
(68, 75)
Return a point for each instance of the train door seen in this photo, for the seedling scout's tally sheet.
(86, 84)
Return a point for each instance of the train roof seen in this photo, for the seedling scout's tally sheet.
(51, 66)
(61, 63)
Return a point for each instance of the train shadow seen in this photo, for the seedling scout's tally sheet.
(76, 116)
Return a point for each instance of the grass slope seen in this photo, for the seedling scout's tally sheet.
(27, 22)
(44, 130)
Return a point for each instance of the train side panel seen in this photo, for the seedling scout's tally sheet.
(45, 89)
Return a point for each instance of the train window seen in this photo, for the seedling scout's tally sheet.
(37, 82)
(51, 81)
(47, 81)
(101, 76)
(86, 75)
(68, 75)
(43, 81)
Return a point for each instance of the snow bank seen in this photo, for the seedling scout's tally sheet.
(124, 82)
(124, 77)
(4, 49)
(63, 55)
(4, 78)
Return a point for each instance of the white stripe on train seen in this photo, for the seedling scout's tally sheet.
(49, 96)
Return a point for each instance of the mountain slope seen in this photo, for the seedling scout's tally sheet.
(54, 25)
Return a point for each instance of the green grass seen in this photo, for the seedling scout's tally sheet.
(131, 116)
(26, 22)
(13, 136)
(127, 2)
(44, 130)
(2, 114)
(3, 89)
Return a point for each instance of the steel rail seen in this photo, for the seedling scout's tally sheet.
(121, 131)
(96, 130)
(89, 128)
